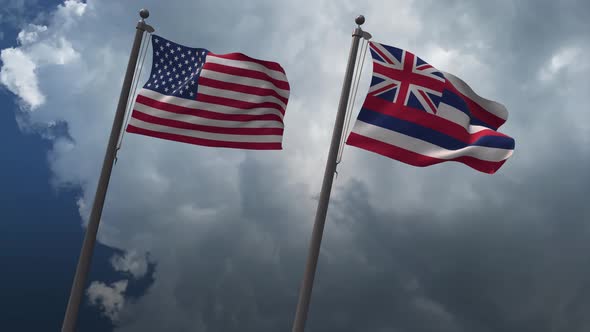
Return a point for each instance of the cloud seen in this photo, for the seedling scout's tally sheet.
(109, 299)
(18, 75)
(441, 248)
(131, 262)
(39, 48)
(559, 61)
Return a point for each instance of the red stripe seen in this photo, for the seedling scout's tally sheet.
(210, 129)
(206, 114)
(378, 91)
(406, 77)
(426, 120)
(241, 88)
(243, 57)
(205, 142)
(237, 103)
(427, 100)
(416, 159)
(246, 73)
(478, 111)
(385, 58)
(424, 66)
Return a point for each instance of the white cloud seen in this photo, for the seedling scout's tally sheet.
(561, 60)
(18, 75)
(40, 47)
(131, 262)
(109, 299)
(30, 34)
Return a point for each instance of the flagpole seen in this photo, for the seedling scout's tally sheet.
(85, 258)
(322, 210)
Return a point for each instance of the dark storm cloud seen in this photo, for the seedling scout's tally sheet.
(229, 233)
(510, 259)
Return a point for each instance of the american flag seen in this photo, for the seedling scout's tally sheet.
(219, 100)
(421, 116)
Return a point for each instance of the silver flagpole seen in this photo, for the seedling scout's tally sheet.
(320, 217)
(83, 267)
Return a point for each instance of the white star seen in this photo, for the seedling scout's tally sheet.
(157, 86)
(154, 76)
(175, 58)
(192, 82)
(170, 79)
(192, 58)
(165, 67)
(177, 76)
(157, 53)
(156, 65)
(179, 65)
(179, 82)
(161, 48)
(167, 73)
(182, 55)
(186, 62)
(149, 84)
(166, 89)
(178, 48)
(160, 71)
(192, 94)
(183, 72)
(167, 44)
(174, 70)
(171, 51)
(162, 60)
(166, 55)
(174, 87)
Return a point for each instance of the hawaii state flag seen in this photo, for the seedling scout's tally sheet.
(421, 116)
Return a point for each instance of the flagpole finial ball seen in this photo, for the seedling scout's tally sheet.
(144, 13)
(360, 20)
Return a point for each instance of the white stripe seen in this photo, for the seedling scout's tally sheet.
(454, 115)
(205, 121)
(425, 148)
(256, 99)
(193, 104)
(489, 105)
(243, 81)
(205, 135)
(277, 75)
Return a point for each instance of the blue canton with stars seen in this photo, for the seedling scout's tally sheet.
(175, 68)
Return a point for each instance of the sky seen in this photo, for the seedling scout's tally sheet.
(202, 239)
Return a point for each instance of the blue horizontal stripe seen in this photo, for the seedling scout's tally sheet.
(452, 99)
(429, 135)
